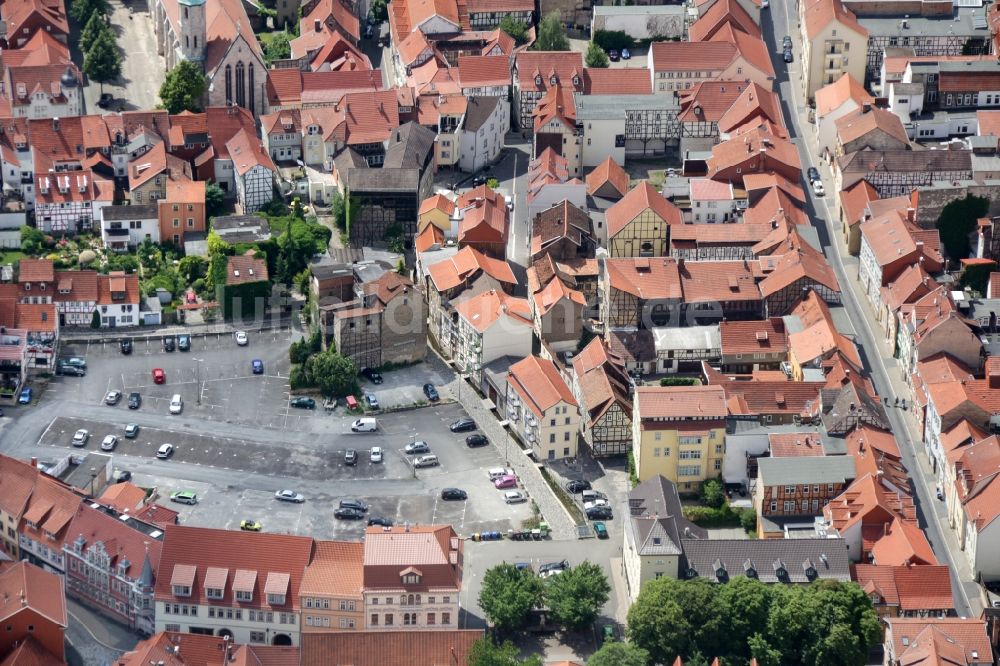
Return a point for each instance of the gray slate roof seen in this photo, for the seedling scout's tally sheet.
(796, 470)
(133, 212)
(657, 520)
(478, 111)
(409, 147)
(383, 180)
(765, 558)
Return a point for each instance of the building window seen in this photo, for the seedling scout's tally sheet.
(374, 621)
(445, 618)
(430, 619)
(388, 619)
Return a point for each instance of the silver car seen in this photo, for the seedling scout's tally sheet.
(80, 437)
(289, 496)
(109, 443)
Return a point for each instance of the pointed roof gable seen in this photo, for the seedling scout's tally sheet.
(539, 384)
(641, 198)
(831, 96)
(608, 180)
(465, 264)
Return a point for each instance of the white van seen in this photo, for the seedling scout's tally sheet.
(426, 461)
(176, 404)
(364, 425)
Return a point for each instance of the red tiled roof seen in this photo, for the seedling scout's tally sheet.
(371, 117)
(629, 81)
(483, 71)
(563, 64)
(913, 588)
(751, 47)
(681, 402)
(485, 309)
(247, 152)
(452, 272)
(379, 648)
(647, 279)
(820, 13)
(35, 270)
(968, 633)
(539, 384)
(832, 95)
(640, 198)
(556, 104)
(854, 200)
(988, 123)
(247, 555)
(35, 588)
(904, 542)
(608, 174)
(245, 268)
(686, 56)
(854, 125)
(720, 13)
(431, 235)
(748, 337)
(435, 550)
(757, 150)
(950, 81)
(117, 282)
(754, 102)
(335, 569)
(795, 445)
(708, 101)
(123, 543)
(718, 282)
(764, 181)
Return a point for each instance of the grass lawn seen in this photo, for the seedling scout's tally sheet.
(11, 256)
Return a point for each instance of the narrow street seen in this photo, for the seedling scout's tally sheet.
(885, 374)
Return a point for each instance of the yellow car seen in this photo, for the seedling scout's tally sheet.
(250, 525)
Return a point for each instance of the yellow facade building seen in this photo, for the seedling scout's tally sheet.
(679, 432)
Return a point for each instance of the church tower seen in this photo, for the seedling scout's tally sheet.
(193, 29)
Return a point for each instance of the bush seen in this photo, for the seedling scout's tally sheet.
(712, 494)
(748, 521)
(298, 352)
(633, 475)
(678, 381)
(706, 516)
(613, 39)
(297, 378)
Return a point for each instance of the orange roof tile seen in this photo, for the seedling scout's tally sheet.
(335, 569)
(708, 101)
(485, 309)
(539, 384)
(748, 337)
(245, 268)
(855, 199)
(988, 123)
(434, 550)
(483, 71)
(854, 125)
(246, 151)
(639, 199)
(719, 14)
(117, 287)
(686, 56)
(765, 181)
(564, 65)
(820, 13)
(36, 588)
(37, 318)
(681, 402)
(718, 282)
(819, 337)
(552, 294)
(465, 265)
(556, 104)
(126, 546)
(377, 648)
(913, 588)
(123, 497)
(759, 150)
(629, 81)
(750, 47)
(35, 270)
(904, 543)
(371, 117)
(647, 279)
(754, 102)
(608, 178)
(431, 236)
(832, 95)
(795, 444)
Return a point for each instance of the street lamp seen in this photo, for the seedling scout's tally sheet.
(461, 380)
(198, 362)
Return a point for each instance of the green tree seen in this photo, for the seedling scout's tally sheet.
(515, 28)
(746, 603)
(379, 10)
(102, 62)
(508, 594)
(335, 375)
(576, 596)
(215, 199)
(95, 25)
(301, 281)
(401, 266)
(338, 210)
(957, 221)
(277, 47)
(192, 267)
(596, 57)
(613, 39)
(82, 11)
(32, 240)
(183, 88)
(712, 494)
(674, 617)
(619, 654)
(552, 34)
(977, 276)
(485, 652)
(95, 320)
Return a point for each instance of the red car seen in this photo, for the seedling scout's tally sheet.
(159, 377)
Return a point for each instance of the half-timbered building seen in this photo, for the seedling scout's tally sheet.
(603, 390)
(896, 173)
(639, 225)
(640, 292)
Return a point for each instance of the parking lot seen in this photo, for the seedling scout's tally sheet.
(236, 477)
(216, 381)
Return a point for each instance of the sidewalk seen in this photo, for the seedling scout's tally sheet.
(139, 333)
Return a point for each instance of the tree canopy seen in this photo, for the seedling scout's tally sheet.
(333, 374)
(823, 624)
(277, 47)
(515, 28)
(183, 88)
(957, 221)
(215, 199)
(508, 594)
(486, 653)
(102, 62)
(552, 34)
(95, 25)
(619, 654)
(576, 596)
(82, 11)
(596, 57)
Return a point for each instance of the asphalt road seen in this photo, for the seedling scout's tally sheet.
(776, 22)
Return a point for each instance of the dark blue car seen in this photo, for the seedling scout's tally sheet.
(257, 366)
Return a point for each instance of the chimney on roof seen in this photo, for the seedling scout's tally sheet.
(317, 25)
(866, 107)
(911, 215)
(34, 461)
(55, 124)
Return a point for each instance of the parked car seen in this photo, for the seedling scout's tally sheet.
(75, 361)
(71, 371)
(626, 54)
(374, 376)
(105, 100)
(464, 424)
(591, 495)
(257, 366)
(184, 342)
(614, 56)
(431, 392)
(786, 42)
(184, 497)
(818, 189)
(577, 486)
(417, 447)
(249, 525)
(813, 173)
(302, 402)
(475, 440)
(112, 398)
(454, 494)
(364, 425)
(348, 514)
(787, 56)
(159, 377)
(123, 476)
(25, 397)
(134, 400)
(380, 521)
(376, 454)
(131, 431)
(505, 481)
(241, 338)
(596, 502)
(371, 400)
(168, 344)
(495, 473)
(176, 404)
(165, 451)
(360, 505)
(601, 530)
(350, 457)
(599, 513)
(109, 443)
(125, 344)
(553, 566)
(289, 496)
(80, 438)
(514, 497)
(429, 460)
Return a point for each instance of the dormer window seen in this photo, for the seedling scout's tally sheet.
(538, 80)
(553, 80)
(276, 599)
(181, 591)
(213, 593)
(576, 80)
(27, 286)
(42, 286)
(410, 576)
(243, 595)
